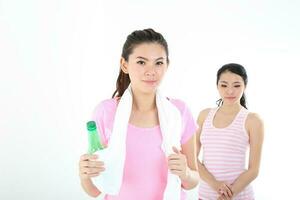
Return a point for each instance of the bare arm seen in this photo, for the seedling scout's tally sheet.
(189, 150)
(89, 187)
(255, 128)
(204, 174)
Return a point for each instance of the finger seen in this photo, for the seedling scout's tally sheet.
(176, 150)
(174, 157)
(220, 190)
(89, 175)
(228, 194)
(223, 190)
(86, 170)
(95, 163)
(224, 197)
(225, 194)
(174, 162)
(98, 164)
(220, 198)
(229, 191)
(94, 175)
(88, 157)
(83, 163)
(91, 164)
(175, 167)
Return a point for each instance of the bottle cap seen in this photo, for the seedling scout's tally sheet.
(91, 125)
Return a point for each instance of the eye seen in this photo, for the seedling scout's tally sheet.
(237, 86)
(140, 62)
(222, 85)
(159, 63)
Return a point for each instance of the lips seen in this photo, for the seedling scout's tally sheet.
(229, 97)
(150, 81)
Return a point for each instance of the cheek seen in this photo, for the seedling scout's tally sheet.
(133, 75)
(135, 72)
(221, 90)
(240, 91)
(221, 93)
(161, 72)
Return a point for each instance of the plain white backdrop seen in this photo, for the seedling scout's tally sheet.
(60, 58)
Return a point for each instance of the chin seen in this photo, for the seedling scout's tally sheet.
(230, 103)
(148, 90)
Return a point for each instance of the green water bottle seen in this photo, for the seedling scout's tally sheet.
(93, 137)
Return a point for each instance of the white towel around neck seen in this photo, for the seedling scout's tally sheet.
(109, 182)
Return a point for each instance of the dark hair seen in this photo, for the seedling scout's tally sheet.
(136, 38)
(236, 69)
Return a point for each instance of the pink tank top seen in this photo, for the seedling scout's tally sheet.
(224, 153)
(145, 170)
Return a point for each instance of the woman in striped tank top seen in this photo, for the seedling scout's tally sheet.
(225, 134)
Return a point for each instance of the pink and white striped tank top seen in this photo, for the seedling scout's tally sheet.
(224, 153)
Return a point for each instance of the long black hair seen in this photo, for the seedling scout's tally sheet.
(136, 38)
(236, 69)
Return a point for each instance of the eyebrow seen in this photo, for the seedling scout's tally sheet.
(233, 82)
(140, 57)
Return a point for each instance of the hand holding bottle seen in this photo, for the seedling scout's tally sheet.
(89, 166)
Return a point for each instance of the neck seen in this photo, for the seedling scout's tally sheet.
(229, 109)
(143, 102)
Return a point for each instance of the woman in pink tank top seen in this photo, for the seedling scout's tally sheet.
(144, 62)
(225, 134)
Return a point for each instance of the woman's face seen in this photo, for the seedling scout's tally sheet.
(231, 88)
(146, 66)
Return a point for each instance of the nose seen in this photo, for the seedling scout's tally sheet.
(229, 91)
(150, 70)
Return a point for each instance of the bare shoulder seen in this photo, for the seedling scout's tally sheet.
(202, 116)
(254, 118)
(254, 122)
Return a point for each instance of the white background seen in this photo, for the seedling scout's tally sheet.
(60, 58)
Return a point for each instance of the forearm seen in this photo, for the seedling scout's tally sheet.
(89, 187)
(206, 176)
(243, 180)
(191, 181)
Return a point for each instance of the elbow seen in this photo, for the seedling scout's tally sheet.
(254, 173)
(189, 186)
(192, 180)
(94, 194)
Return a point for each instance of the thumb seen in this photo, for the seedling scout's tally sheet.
(176, 150)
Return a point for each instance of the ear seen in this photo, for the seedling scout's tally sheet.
(124, 65)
